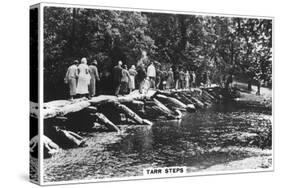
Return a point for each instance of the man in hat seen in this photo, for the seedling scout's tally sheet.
(71, 78)
(94, 77)
(117, 76)
(151, 73)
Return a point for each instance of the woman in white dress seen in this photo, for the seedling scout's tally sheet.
(187, 80)
(83, 78)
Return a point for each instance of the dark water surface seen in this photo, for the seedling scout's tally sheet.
(207, 137)
(223, 133)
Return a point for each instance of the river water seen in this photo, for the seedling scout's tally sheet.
(226, 132)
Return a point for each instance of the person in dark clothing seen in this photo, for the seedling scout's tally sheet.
(204, 79)
(208, 79)
(117, 76)
(94, 78)
(258, 81)
(176, 78)
(141, 75)
(125, 80)
(223, 81)
(105, 84)
(191, 79)
(163, 79)
(159, 78)
(258, 87)
(229, 80)
(181, 79)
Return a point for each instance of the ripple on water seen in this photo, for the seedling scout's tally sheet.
(221, 134)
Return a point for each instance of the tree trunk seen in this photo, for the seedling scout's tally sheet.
(250, 85)
(258, 87)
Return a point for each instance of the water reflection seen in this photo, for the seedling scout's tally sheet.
(224, 133)
(141, 141)
(203, 138)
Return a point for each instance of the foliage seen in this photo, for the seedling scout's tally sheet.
(221, 45)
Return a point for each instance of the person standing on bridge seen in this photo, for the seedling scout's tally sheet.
(158, 81)
(151, 74)
(193, 83)
(133, 73)
(71, 78)
(141, 76)
(117, 75)
(94, 78)
(125, 80)
(170, 79)
(259, 81)
(204, 79)
(187, 79)
(176, 77)
(83, 78)
(181, 79)
(208, 79)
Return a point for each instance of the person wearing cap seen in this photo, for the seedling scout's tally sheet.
(133, 73)
(71, 78)
(83, 78)
(94, 78)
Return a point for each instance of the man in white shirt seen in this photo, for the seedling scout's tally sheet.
(151, 74)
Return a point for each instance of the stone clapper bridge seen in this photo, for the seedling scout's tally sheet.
(64, 119)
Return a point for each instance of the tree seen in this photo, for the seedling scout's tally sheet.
(107, 36)
(255, 39)
(220, 45)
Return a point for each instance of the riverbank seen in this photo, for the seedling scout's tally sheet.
(262, 158)
(231, 136)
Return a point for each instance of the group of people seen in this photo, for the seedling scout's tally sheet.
(123, 79)
(177, 79)
(82, 78)
(126, 80)
(150, 75)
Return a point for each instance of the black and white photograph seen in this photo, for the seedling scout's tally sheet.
(137, 94)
